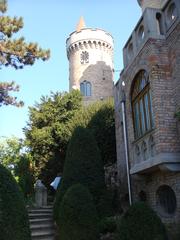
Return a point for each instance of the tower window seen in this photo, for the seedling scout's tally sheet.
(171, 14)
(85, 88)
(84, 57)
(141, 33)
(142, 104)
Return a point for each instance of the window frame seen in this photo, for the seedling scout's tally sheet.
(86, 88)
(145, 121)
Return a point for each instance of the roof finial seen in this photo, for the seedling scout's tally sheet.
(81, 24)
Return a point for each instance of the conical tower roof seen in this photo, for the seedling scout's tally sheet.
(81, 24)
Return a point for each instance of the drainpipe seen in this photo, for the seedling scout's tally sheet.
(126, 147)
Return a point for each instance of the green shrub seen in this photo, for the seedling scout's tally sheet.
(13, 215)
(83, 165)
(25, 177)
(104, 204)
(78, 217)
(102, 124)
(107, 225)
(141, 223)
(99, 118)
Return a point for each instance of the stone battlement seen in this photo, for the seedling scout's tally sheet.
(158, 4)
(88, 37)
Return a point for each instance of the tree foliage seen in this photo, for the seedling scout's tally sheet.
(10, 152)
(78, 217)
(5, 98)
(14, 157)
(15, 53)
(47, 132)
(52, 122)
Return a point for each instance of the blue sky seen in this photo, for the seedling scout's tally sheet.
(49, 23)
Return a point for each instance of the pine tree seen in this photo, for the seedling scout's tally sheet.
(15, 53)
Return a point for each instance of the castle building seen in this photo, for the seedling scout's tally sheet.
(90, 55)
(149, 85)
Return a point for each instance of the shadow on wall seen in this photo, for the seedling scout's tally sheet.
(100, 77)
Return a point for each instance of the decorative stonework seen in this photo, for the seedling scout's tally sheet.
(144, 149)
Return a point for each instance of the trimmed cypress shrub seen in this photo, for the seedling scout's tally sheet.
(77, 215)
(83, 165)
(140, 222)
(13, 215)
(108, 225)
(25, 177)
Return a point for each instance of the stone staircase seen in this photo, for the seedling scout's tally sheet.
(41, 223)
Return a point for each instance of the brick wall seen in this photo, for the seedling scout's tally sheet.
(161, 59)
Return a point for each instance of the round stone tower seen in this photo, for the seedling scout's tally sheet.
(90, 55)
(151, 4)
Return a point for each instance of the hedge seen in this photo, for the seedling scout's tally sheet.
(13, 215)
(83, 165)
(140, 222)
(77, 215)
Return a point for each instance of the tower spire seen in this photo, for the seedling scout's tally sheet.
(81, 24)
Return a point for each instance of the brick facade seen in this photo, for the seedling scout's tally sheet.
(159, 55)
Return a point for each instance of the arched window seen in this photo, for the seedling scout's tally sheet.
(166, 200)
(142, 104)
(159, 23)
(172, 14)
(85, 88)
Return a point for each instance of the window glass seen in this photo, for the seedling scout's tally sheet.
(88, 89)
(136, 120)
(146, 102)
(85, 88)
(82, 89)
(141, 104)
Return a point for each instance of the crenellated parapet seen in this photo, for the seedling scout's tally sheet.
(89, 38)
(158, 4)
(89, 44)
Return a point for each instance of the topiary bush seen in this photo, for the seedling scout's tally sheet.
(13, 215)
(77, 215)
(25, 177)
(108, 225)
(140, 222)
(83, 165)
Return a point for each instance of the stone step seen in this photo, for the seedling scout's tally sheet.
(41, 226)
(40, 215)
(35, 221)
(43, 238)
(43, 232)
(48, 210)
(41, 223)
